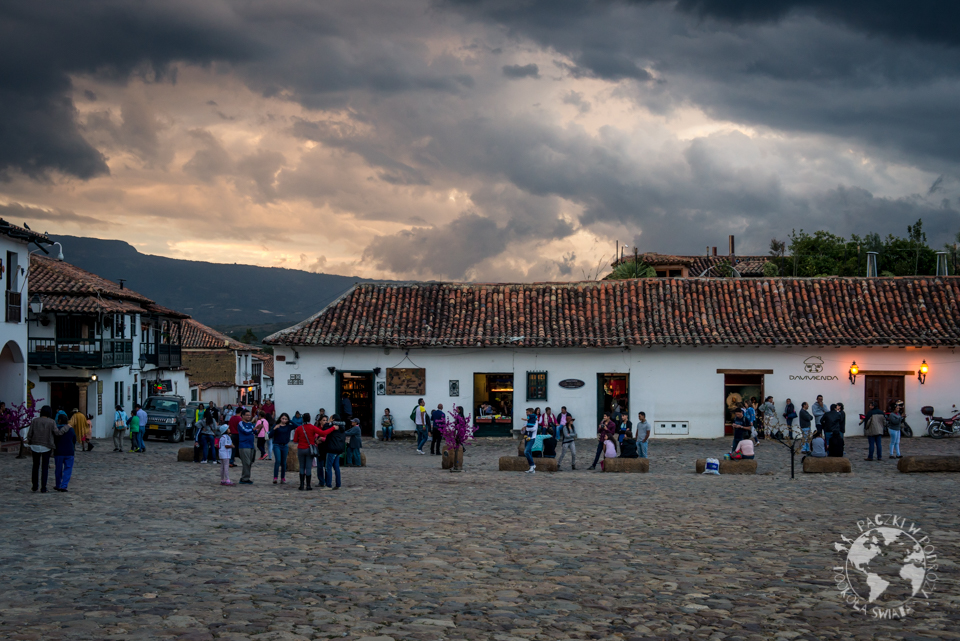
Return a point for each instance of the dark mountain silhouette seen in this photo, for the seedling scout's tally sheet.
(229, 297)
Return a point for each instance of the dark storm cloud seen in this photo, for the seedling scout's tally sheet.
(16, 213)
(521, 71)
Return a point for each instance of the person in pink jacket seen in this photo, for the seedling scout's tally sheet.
(262, 428)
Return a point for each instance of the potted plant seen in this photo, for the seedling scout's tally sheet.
(457, 431)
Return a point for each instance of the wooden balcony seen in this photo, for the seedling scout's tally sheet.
(89, 353)
(161, 355)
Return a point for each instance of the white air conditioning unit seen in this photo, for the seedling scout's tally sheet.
(671, 428)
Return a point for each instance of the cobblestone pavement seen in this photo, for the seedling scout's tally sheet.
(143, 547)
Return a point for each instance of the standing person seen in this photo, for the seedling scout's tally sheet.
(225, 448)
(280, 437)
(750, 415)
(873, 430)
(437, 418)
(769, 410)
(227, 412)
(353, 447)
(334, 444)
(40, 440)
(643, 433)
(529, 436)
(136, 432)
(386, 426)
(740, 428)
(568, 441)
(421, 419)
(268, 408)
(819, 409)
(246, 431)
(233, 428)
(82, 429)
(894, 423)
(624, 430)
(63, 458)
(789, 413)
(208, 431)
(841, 421)
(305, 435)
(605, 429)
(262, 427)
(119, 426)
(346, 407)
(142, 415)
(806, 420)
(830, 423)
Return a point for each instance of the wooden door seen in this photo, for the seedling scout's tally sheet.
(884, 390)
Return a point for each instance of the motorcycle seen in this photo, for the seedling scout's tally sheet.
(940, 426)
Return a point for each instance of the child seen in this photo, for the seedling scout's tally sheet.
(609, 450)
(225, 444)
(529, 435)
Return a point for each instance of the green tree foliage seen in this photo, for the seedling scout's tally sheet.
(631, 269)
(826, 254)
(249, 337)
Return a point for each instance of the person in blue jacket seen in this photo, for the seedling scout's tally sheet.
(63, 458)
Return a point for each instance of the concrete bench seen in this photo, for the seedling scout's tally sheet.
(827, 465)
(519, 464)
(748, 466)
(627, 465)
(929, 464)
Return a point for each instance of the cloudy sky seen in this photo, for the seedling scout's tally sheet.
(476, 139)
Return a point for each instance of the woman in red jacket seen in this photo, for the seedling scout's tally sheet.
(325, 427)
(305, 436)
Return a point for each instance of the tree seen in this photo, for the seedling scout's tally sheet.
(249, 337)
(632, 269)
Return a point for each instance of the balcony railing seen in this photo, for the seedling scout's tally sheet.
(82, 352)
(14, 312)
(161, 355)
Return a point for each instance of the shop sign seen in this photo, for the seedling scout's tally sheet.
(812, 366)
(571, 383)
(294, 380)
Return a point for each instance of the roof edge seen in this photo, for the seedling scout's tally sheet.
(275, 338)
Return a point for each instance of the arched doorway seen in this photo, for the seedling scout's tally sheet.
(13, 374)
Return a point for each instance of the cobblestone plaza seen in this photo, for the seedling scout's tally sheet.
(143, 547)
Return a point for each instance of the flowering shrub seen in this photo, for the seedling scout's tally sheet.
(19, 416)
(457, 430)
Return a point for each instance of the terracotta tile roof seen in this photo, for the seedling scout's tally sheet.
(67, 288)
(216, 384)
(746, 265)
(267, 363)
(24, 234)
(196, 335)
(651, 311)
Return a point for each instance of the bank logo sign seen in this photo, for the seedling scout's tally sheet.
(813, 367)
(887, 568)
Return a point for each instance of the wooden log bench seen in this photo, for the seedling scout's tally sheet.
(519, 464)
(185, 454)
(627, 465)
(447, 460)
(827, 465)
(910, 464)
(748, 466)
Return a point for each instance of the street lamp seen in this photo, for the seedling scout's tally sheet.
(922, 376)
(36, 305)
(143, 360)
(854, 370)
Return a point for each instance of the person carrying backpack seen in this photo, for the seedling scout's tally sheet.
(421, 419)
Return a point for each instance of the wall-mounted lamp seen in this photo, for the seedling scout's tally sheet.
(332, 370)
(143, 360)
(854, 370)
(296, 354)
(93, 378)
(36, 305)
(922, 376)
(376, 371)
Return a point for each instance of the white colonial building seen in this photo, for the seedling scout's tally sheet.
(681, 350)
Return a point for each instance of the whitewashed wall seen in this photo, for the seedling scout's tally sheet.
(669, 384)
(13, 379)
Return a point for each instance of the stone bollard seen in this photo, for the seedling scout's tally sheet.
(748, 466)
(929, 464)
(185, 455)
(293, 463)
(519, 464)
(627, 465)
(827, 465)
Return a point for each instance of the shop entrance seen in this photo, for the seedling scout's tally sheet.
(613, 395)
(358, 387)
(738, 389)
(884, 390)
(493, 404)
(65, 396)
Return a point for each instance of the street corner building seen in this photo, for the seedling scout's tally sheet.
(682, 350)
(222, 369)
(94, 344)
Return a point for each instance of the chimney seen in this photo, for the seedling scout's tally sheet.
(708, 250)
(714, 251)
(871, 264)
(732, 252)
(942, 264)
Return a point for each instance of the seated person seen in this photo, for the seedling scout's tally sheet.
(835, 446)
(817, 446)
(628, 449)
(550, 447)
(744, 449)
(609, 450)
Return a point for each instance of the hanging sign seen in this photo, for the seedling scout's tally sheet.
(571, 383)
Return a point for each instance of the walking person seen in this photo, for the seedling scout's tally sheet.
(421, 419)
(894, 423)
(806, 421)
(873, 430)
(40, 440)
(246, 431)
(135, 432)
(81, 427)
(568, 442)
(119, 427)
(280, 437)
(262, 428)
(386, 426)
(644, 430)
(437, 418)
(142, 416)
(605, 429)
(225, 446)
(353, 447)
(335, 444)
(63, 458)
